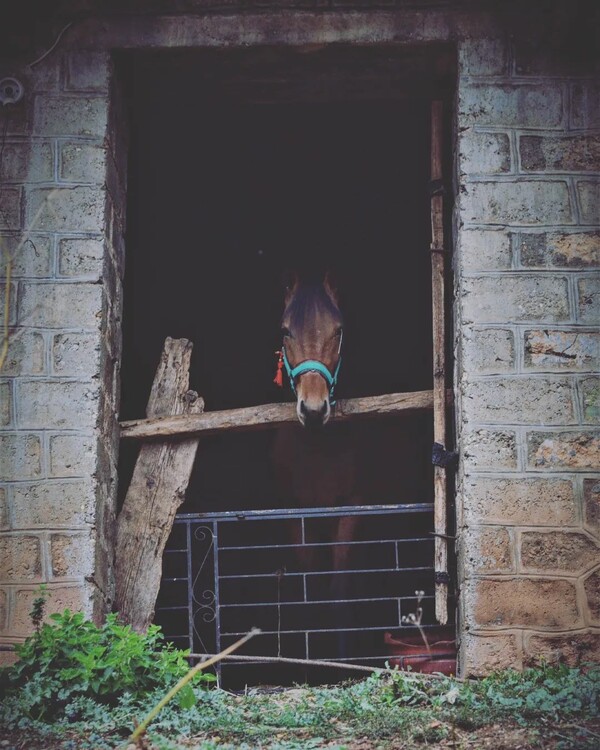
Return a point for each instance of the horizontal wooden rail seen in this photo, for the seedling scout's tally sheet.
(271, 415)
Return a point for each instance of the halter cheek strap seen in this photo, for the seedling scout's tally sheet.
(312, 365)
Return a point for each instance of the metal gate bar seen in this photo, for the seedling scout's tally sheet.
(226, 572)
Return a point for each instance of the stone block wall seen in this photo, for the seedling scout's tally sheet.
(528, 349)
(526, 246)
(62, 232)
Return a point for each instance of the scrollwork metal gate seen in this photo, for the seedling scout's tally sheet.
(226, 572)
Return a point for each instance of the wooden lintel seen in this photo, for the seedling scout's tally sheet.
(271, 415)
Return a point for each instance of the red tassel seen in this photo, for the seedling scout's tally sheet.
(278, 379)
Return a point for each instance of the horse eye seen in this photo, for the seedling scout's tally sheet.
(339, 332)
(285, 332)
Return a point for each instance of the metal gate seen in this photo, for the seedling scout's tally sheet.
(225, 573)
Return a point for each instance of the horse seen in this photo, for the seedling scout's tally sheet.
(315, 464)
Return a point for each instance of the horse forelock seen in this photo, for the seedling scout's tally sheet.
(309, 303)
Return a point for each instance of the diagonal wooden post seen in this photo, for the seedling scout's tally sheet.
(439, 363)
(160, 479)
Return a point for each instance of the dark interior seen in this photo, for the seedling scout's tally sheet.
(245, 164)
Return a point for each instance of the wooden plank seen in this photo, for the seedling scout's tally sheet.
(439, 363)
(157, 489)
(271, 415)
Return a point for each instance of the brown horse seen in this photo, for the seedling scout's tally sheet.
(315, 465)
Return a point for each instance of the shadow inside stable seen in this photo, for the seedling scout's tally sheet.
(247, 163)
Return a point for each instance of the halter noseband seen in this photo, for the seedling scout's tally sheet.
(313, 365)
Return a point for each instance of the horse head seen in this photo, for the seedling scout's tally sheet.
(312, 332)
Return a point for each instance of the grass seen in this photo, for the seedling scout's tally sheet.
(553, 707)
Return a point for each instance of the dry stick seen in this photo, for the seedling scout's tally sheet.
(9, 262)
(334, 664)
(141, 728)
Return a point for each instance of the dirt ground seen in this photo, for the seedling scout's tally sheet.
(583, 735)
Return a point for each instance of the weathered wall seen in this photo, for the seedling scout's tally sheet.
(527, 250)
(526, 240)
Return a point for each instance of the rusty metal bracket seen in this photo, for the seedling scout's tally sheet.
(442, 457)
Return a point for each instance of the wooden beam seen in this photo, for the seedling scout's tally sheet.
(157, 489)
(271, 415)
(439, 362)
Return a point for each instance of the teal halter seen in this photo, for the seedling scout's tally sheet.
(312, 365)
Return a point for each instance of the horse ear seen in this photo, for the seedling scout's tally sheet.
(331, 286)
(289, 281)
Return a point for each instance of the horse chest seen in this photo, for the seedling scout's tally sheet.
(313, 470)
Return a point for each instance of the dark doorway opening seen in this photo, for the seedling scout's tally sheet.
(248, 163)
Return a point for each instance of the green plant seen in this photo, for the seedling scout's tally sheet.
(71, 657)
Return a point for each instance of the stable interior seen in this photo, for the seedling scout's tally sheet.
(245, 164)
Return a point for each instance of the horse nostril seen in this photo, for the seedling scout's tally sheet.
(303, 407)
(323, 409)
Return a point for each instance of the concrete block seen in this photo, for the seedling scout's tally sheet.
(588, 299)
(564, 451)
(488, 351)
(524, 203)
(588, 192)
(489, 450)
(76, 598)
(20, 456)
(6, 403)
(81, 162)
(591, 505)
(485, 653)
(560, 249)
(56, 405)
(511, 105)
(30, 256)
(590, 400)
(521, 400)
(28, 161)
(515, 299)
(72, 555)
(482, 57)
(522, 602)
(484, 250)
(547, 350)
(76, 354)
(20, 558)
(560, 552)
(483, 153)
(53, 505)
(70, 115)
(591, 586)
(66, 209)
(486, 549)
(573, 649)
(72, 455)
(80, 257)
(61, 305)
(585, 104)
(87, 71)
(3, 615)
(551, 53)
(580, 153)
(4, 513)
(26, 354)
(534, 501)
(10, 216)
